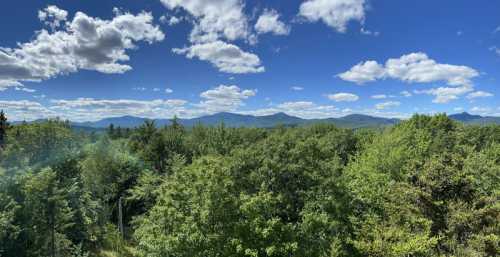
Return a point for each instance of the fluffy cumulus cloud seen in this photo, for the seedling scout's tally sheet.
(223, 99)
(417, 68)
(411, 68)
(226, 57)
(445, 94)
(83, 43)
(214, 19)
(335, 13)
(387, 105)
(343, 97)
(215, 24)
(479, 94)
(364, 72)
(52, 16)
(269, 22)
(173, 20)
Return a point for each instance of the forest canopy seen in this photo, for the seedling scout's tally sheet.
(428, 186)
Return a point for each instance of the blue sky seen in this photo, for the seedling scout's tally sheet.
(86, 60)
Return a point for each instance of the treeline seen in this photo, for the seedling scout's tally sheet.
(426, 187)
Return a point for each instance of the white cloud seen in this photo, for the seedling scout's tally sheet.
(369, 32)
(168, 91)
(497, 30)
(173, 20)
(163, 19)
(479, 94)
(311, 110)
(85, 109)
(481, 110)
(224, 98)
(459, 33)
(226, 57)
(445, 94)
(335, 13)
(458, 109)
(297, 88)
(343, 97)
(220, 99)
(6, 84)
(22, 104)
(25, 110)
(214, 19)
(387, 105)
(417, 68)
(96, 103)
(84, 43)
(364, 72)
(379, 96)
(269, 22)
(25, 89)
(296, 105)
(214, 22)
(411, 68)
(405, 93)
(52, 16)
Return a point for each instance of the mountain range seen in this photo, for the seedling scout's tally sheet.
(241, 120)
(268, 121)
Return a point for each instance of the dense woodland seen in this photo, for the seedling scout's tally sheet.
(428, 186)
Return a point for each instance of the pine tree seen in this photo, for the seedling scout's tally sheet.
(111, 130)
(4, 125)
(175, 124)
(51, 217)
(118, 133)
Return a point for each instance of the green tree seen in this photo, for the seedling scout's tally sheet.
(50, 216)
(4, 125)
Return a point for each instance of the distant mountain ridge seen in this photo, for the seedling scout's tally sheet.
(242, 120)
(474, 119)
(267, 121)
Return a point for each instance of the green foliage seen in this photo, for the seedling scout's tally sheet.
(39, 144)
(427, 186)
(421, 188)
(4, 126)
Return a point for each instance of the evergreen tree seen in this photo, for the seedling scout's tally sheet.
(118, 133)
(49, 215)
(111, 130)
(4, 125)
(175, 124)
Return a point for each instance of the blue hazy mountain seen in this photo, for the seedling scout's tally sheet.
(241, 120)
(474, 119)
